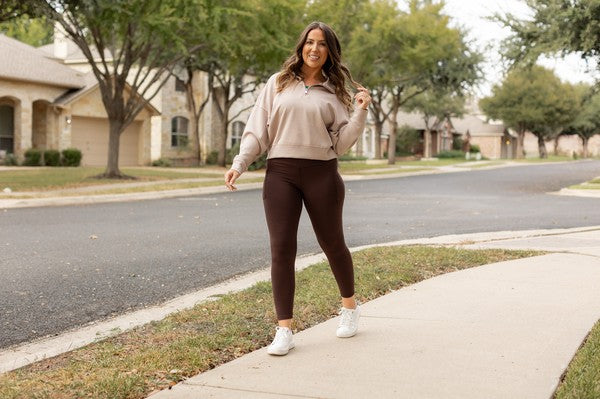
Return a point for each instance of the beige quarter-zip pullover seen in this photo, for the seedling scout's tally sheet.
(299, 122)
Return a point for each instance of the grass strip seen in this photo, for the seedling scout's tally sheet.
(139, 189)
(157, 355)
(551, 158)
(63, 178)
(582, 378)
(586, 186)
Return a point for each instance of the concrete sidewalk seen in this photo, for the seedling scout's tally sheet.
(505, 330)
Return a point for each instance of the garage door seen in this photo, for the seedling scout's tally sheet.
(90, 135)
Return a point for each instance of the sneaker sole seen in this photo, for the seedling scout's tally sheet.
(346, 336)
(281, 353)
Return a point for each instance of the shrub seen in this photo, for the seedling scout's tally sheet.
(164, 162)
(349, 157)
(51, 158)
(408, 140)
(450, 154)
(33, 157)
(71, 157)
(457, 143)
(475, 148)
(231, 153)
(260, 163)
(212, 158)
(11, 160)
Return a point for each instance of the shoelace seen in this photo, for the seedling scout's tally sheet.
(346, 316)
(280, 335)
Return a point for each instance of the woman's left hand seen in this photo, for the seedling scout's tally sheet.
(362, 98)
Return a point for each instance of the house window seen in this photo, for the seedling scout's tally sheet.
(237, 129)
(179, 85)
(7, 128)
(179, 131)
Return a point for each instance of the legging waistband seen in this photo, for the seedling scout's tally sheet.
(299, 163)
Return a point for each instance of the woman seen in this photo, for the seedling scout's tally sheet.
(302, 119)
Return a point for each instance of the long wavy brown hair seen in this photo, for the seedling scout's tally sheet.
(338, 74)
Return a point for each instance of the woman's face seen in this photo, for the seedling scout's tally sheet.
(314, 52)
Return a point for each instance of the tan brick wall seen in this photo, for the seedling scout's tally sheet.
(22, 95)
(490, 146)
(175, 103)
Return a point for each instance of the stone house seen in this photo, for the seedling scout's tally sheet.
(49, 99)
(493, 139)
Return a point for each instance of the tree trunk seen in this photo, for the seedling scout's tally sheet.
(585, 146)
(556, 144)
(393, 135)
(223, 143)
(189, 85)
(378, 130)
(392, 145)
(427, 143)
(112, 167)
(542, 147)
(520, 141)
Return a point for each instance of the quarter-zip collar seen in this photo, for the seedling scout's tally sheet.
(326, 84)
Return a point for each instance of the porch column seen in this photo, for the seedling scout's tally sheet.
(23, 128)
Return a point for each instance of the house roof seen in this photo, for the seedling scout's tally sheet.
(476, 125)
(74, 53)
(412, 119)
(90, 84)
(23, 62)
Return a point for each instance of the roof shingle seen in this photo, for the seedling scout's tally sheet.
(26, 63)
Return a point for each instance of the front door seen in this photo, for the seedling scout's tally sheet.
(7, 128)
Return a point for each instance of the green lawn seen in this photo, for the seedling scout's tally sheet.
(582, 379)
(551, 158)
(41, 179)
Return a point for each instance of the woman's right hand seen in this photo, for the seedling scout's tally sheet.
(230, 178)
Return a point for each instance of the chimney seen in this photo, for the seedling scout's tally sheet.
(60, 42)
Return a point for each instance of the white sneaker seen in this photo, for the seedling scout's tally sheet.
(349, 322)
(282, 343)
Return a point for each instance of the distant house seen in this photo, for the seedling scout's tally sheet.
(493, 139)
(49, 98)
(47, 105)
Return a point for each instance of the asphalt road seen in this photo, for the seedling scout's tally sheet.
(62, 267)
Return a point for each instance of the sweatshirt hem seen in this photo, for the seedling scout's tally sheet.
(322, 154)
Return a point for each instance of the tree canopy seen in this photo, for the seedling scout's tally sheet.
(131, 45)
(531, 99)
(33, 31)
(586, 121)
(556, 27)
(400, 54)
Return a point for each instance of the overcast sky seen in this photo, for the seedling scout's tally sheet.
(471, 15)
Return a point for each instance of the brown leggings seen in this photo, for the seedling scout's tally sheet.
(288, 183)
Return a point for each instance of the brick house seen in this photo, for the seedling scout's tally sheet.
(49, 99)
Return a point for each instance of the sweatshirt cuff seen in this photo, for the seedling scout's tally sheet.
(360, 115)
(238, 165)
